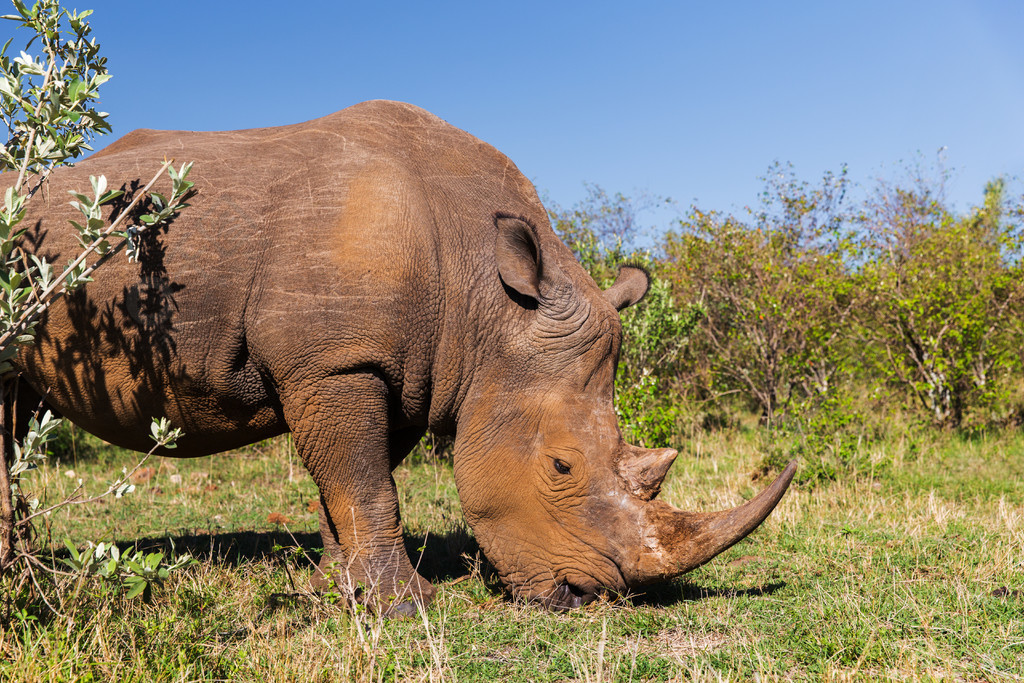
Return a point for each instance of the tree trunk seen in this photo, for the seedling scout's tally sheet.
(6, 497)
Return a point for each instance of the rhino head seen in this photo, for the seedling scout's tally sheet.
(562, 506)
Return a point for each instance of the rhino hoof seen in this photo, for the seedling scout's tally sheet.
(406, 609)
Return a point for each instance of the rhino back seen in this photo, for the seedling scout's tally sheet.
(352, 241)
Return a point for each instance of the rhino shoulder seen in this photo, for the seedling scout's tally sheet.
(139, 138)
(391, 109)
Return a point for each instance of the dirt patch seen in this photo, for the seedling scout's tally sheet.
(142, 475)
(678, 642)
(278, 518)
(746, 559)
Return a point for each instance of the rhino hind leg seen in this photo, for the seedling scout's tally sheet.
(340, 428)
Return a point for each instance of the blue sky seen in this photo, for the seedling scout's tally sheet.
(692, 101)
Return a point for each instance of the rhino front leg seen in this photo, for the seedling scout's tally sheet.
(341, 433)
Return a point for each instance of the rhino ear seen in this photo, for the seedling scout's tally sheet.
(629, 288)
(518, 253)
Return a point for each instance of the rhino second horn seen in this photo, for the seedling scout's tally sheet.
(674, 541)
(644, 469)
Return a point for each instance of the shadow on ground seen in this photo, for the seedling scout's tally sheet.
(438, 557)
(665, 595)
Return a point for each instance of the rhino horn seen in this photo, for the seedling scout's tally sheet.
(644, 469)
(674, 541)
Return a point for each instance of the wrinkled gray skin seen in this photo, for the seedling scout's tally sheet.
(357, 280)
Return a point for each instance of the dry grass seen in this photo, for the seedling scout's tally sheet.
(911, 575)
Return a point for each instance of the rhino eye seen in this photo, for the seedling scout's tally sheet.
(562, 467)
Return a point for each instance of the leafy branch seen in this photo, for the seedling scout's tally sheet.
(160, 431)
(46, 103)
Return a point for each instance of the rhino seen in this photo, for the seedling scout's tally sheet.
(357, 280)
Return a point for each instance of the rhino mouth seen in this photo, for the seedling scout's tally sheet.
(566, 596)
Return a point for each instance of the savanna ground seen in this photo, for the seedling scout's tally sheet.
(910, 569)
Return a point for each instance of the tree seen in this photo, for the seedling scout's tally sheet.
(602, 224)
(775, 290)
(47, 107)
(944, 296)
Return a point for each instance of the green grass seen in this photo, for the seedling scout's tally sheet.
(912, 571)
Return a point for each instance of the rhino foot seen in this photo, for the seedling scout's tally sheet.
(403, 610)
(389, 597)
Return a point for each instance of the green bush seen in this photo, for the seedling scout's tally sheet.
(943, 301)
(830, 438)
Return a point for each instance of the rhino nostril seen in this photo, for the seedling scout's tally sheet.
(566, 596)
(579, 595)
